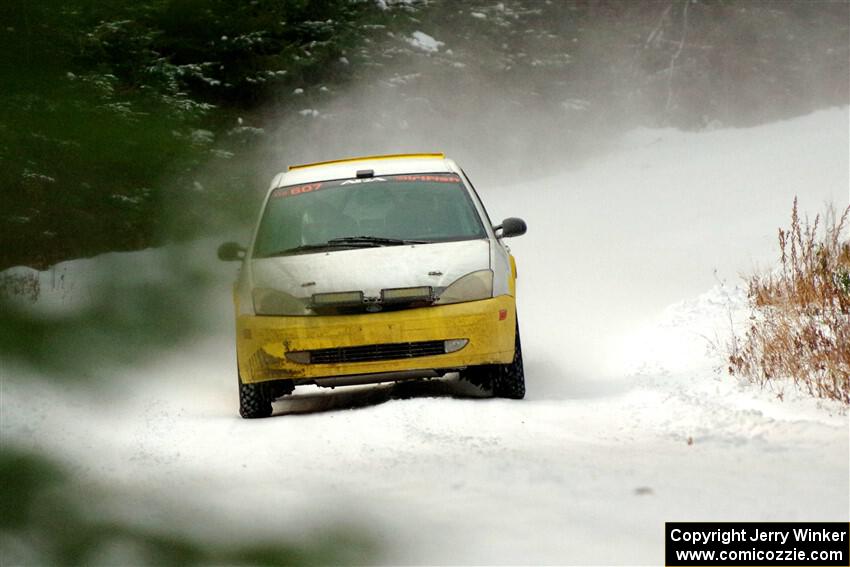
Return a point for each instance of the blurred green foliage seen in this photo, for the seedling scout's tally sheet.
(48, 519)
(122, 309)
(110, 108)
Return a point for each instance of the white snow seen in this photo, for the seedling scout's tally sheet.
(626, 424)
(575, 104)
(660, 219)
(386, 4)
(425, 42)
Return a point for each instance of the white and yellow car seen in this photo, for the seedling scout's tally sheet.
(374, 269)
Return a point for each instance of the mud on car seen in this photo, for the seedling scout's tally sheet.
(374, 269)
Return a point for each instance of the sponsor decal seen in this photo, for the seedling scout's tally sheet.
(428, 178)
(293, 190)
(364, 180)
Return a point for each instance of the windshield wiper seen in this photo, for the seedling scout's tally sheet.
(346, 242)
(376, 240)
(310, 248)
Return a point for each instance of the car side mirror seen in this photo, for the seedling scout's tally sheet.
(511, 227)
(231, 251)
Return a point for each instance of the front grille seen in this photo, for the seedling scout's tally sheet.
(368, 353)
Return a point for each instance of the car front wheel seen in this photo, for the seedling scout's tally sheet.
(505, 380)
(509, 379)
(255, 400)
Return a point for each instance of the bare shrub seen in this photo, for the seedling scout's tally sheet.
(800, 314)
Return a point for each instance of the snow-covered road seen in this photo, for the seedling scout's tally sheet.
(626, 424)
(438, 476)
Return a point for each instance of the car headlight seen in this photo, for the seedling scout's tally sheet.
(275, 302)
(471, 287)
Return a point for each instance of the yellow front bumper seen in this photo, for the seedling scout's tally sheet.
(262, 342)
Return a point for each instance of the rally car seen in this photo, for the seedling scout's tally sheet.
(374, 269)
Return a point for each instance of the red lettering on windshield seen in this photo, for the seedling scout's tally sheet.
(293, 190)
(427, 178)
(297, 190)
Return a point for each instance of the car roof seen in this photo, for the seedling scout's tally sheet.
(381, 165)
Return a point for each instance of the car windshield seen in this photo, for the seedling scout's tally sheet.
(372, 211)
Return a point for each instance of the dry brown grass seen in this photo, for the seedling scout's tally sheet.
(800, 321)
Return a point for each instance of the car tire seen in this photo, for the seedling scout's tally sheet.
(509, 379)
(505, 380)
(255, 400)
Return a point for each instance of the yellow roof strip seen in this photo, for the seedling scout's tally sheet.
(388, 156)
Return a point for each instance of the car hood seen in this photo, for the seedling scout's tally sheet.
(371, 269)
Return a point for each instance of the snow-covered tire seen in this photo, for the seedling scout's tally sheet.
(254, 400)
(509, 379)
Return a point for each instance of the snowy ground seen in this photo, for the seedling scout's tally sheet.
(626, 424)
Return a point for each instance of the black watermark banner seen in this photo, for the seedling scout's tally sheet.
(761, 544)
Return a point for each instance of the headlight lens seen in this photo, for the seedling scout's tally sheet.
(471, 287)
(275, 302)
(338, 298)
(406, 294)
